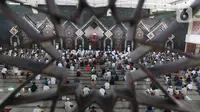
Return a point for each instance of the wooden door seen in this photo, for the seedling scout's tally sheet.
(191, 48)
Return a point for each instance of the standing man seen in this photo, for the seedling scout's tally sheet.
(4, 72)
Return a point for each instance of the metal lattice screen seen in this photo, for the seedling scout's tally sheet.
(105, 102)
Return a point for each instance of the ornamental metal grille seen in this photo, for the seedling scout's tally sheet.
(105, 102)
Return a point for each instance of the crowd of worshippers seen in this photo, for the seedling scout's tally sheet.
(110, 65)
(178, 84)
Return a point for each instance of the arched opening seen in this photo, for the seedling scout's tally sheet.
(79, 44)
(128, 45)
(169, 44)
(14, 41)
(93, 42)
(107, 44)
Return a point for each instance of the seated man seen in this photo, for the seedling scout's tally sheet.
(107, 85)
(72, 67)
(93, 71)
(69, 105)
(86, 90)
(94, 77)
(190, 86)
(102, 91)
(38, 109)
(46, 87)
(184, 90)
(170, 90)
(78, 73)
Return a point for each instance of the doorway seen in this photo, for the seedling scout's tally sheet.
(79, 43)
(129, 46)
(108, 44)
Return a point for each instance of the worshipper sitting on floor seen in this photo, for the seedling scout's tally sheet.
(93, 71)
(16, 71)
(93, 84)
(88, 68)
(184, 90)
(168, 81)
(69, 106)
(107, 85)
(102, 91)
(112, 81)
(38, 109)
(46, 87)
(124, 77)
(190, 86)
(149, 109)
(60, 64)
(156, 92)
(170, 90)
(116, 77)
(68, 65)
(107, 75)
(33, 87)
(81, 63)
(76, 80)
(78, 73)
(86, 90)
(179, 82)
(94, 77)
(178, 95)
(46, 81)
(72, 67)
(176, 91)
(176, 78)
(99, 74)
(188, 79)
(28, 74)
(113, 72)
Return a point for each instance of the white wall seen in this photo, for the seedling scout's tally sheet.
(192, 39)
(150, 4)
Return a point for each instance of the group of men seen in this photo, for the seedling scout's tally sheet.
(107, 64)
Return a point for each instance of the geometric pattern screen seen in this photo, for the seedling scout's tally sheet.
(107, 103)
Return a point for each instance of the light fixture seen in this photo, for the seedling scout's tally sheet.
(11, 89)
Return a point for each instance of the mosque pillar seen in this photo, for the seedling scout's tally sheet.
(192, 38)
(61, 43)
(54, 43)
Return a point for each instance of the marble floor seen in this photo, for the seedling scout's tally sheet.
(9, 84)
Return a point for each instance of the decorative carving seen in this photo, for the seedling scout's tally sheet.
(70, 31)
(79, 33)
(139, 34)
(150, 35)
(48, 30)
(108, 33)
(25, 36)
(118, 33)
(195, 28)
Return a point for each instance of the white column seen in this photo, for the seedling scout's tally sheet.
(61, 43)
(189, 36)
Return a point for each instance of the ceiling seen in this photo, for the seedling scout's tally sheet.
(149, 4)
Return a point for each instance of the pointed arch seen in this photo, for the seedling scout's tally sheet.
(76, 42)
(126, 45)
(12, 40)
(111, 43)
(168, 42)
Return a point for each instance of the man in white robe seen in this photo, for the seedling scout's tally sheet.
(53, 80)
